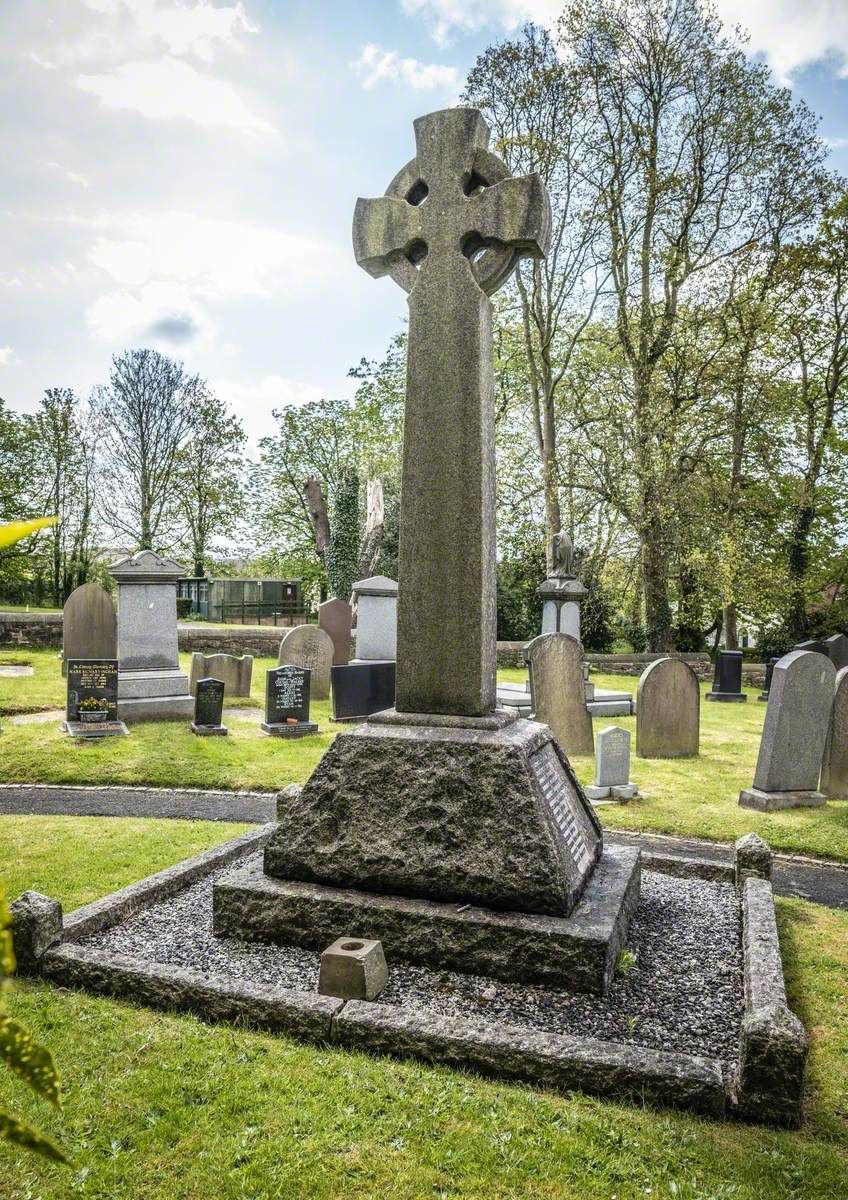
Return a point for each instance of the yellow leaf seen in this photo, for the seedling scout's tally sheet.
(15, 530)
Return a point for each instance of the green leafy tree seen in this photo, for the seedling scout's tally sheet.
(343, 550)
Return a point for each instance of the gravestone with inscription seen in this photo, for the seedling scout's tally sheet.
(612, 766)
(287, 702)
(89, 625)
(310, 647)
(447, 812)
(209, 708)
(234, 671)
(668, 710)
(557, 686)
(834, 772)
(92, 698)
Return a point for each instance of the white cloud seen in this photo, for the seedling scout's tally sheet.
(444, 17)
(8, 358)
(375, 64)
(217, 259)
(168, 88)
(44, 63)
(836, 143)
(790, 35)
(161, 313)
(254, 400)
(72, 176)
(182, 28)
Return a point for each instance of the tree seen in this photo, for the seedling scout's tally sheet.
(533, 105)
(692, 150)
(67, 447)
(343, 550)
(145, 417)
(208, 477)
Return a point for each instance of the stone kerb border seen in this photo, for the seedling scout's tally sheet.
(767, 1087)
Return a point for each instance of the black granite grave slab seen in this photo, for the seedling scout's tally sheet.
(361, 689)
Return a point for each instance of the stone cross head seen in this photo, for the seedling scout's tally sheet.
(454, 205)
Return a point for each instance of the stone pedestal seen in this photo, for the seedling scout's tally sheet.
(561, 598)
(727, 678)
(376, 619)
(151, 686)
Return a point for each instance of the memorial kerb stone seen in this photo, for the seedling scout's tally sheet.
(834, 775)
(89, 625)
(209, 708)
(310, 647)
(234, 671)
(794, 733)
(335, 617)
(287, 694)
(668, 709)
(559, 697)
(92, 699)
(727, 678)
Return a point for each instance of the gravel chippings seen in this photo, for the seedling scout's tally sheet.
(683, 992)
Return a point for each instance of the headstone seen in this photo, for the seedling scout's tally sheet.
(151, 686)
(234, 671)
(612, 766)
(727, 678)
(562, 593)
(89, 625)
(770, 665)
(287, 702)
(310, 647)
(794, 734)
(209, 708)
(834, 775)
(376, 619)
(336, 619)
(815, 645)
(361, 689)
(559, 698)
(668, 709)
(837, 650)
(92, 698)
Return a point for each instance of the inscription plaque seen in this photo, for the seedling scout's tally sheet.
(287, 702)
(565, 804)
(209, 707)
(92, 698)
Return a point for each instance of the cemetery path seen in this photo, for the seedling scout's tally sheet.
(807, 878)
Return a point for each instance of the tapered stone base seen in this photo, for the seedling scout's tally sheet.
(771, 801)
(578, 952)
(483, 811)
(728, 697)
(154, 695)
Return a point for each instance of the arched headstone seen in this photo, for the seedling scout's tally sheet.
(834, 775)
(234, 671)
(89, 625)
(559, 698)
(309, 646)
(794, 734)
(668, 710)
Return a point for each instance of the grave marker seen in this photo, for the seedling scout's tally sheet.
(92, 698)
(209, 708)
(668, 710)
(309, 647)
(234, 671)
(834, 775)
(89, 625)
(612, 766)
(335, 617)
(837, 650)
(727, 678)
(559, 696)
(287, 702)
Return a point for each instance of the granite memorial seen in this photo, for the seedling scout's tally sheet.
(151, 685)
(556, 684)
(792, 744)
(287, 693)
(309, 647)
(376, 619)
(837, 650)
(209, 708)
(668, 710)
(362, 688)
(89, 625)
(727, 678)
(336, 619)
(834, 773)
(92, 698)
(612, 766)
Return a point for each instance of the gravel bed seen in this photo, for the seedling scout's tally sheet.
(682, 992)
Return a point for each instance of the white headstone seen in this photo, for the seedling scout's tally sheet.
(376, 619)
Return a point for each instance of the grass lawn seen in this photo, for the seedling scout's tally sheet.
(162, 1107)
(694, 797)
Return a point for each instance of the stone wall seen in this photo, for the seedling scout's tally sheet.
(30, 629)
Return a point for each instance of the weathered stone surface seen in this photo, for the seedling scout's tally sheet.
(751, 857)
(834, 773)
(450, 253)
(36, 926)
(485, 816)
(761, 801)
(89, 625)
(376, 619)
(353, 968)
(310, 647)
(773, 1042)
(215, 998)
(151, 686)
(795, 729)
(668, 710)
(336, 618)
(547, 1060)
(236, 673)
(837, 650)
(559, 698)
(579, 952)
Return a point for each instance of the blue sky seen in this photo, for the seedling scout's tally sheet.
(182, 173)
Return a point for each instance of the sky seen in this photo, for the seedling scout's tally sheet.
(182, 174)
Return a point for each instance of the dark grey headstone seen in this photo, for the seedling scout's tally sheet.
(815, 645)
(727, 677)
(89, 625)
(287, 695)
(360, 689)
(209, 702)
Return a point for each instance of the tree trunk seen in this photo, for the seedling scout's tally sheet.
(798, 554)
(731, 629)
(317, 506)
(553, 516)
(658, 623)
